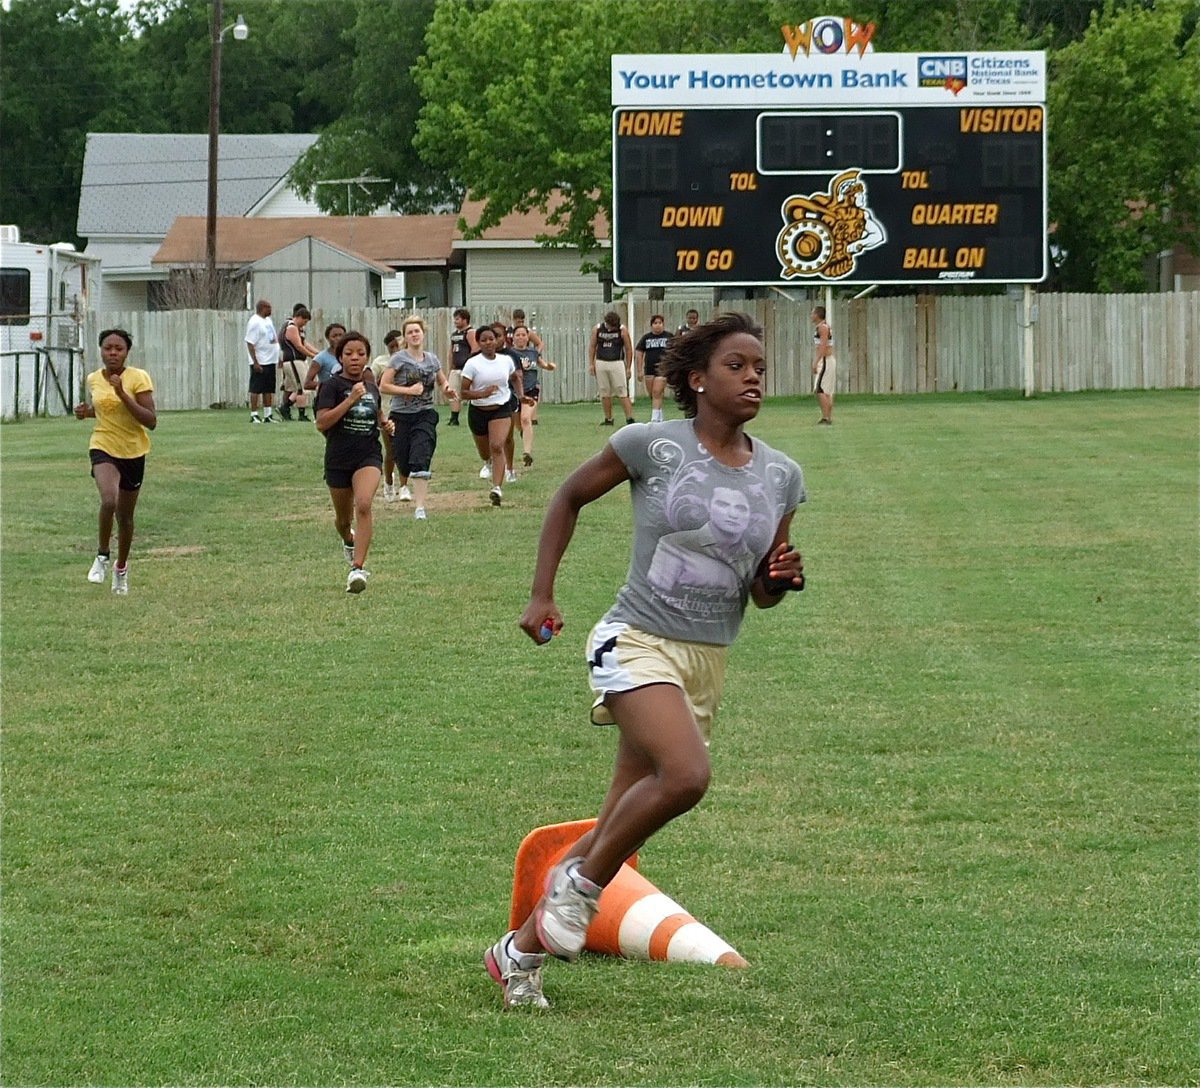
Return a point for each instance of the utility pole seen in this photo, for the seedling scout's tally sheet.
(214, 113)
(240, 32)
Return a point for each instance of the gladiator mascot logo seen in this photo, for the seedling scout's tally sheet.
(824, 233)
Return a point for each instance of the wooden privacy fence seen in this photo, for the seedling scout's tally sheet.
(910, 344)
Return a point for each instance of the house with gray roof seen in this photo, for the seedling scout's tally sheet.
(135, 185)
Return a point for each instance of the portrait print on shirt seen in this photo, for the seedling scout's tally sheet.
(701, 530)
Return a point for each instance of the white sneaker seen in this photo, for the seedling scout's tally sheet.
(485, 472)
(419, 514)
(120, 581)
(99, 569)
(348, 551)
(570, 904)
(389, 492)
(496, 496)
(510, 477)
(405, 495)
(520, 974)
(356, 580)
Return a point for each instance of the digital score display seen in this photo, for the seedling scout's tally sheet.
(751, 196)
(802, 143)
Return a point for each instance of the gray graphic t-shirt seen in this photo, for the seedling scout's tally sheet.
(409, 371)
(701, 529)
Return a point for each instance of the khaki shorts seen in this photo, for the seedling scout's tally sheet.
(455, 380)
(290, 383)
(611, 378)
(825, 379)
(623, 658)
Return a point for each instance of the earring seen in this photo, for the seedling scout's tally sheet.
(699, 389)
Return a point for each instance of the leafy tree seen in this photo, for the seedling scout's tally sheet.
(1055, 23)
(518, 125)
(909, 26)
(1124, 114)
(70, 67)
(290, 75)
(63, 72)
(517, 93)
(374, 134)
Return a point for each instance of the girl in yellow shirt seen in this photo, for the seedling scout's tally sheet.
(122, 404)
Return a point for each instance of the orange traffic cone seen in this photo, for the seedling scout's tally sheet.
(635, 919)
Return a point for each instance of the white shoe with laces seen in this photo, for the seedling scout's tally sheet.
(510, 477)
(120, 582)
(496, 496)
(419, 514)
(389, 492)
(348, 551)
(566, 911)
(519, 973)
(485, 472)
(99, 570)
(405, 494)
(356, 580)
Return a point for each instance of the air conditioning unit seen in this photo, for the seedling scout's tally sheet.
(10, 233)
(392, 290)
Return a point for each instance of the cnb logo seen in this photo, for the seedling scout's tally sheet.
(828, 35)
(948, 72)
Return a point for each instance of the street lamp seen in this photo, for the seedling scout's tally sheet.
(241, 32)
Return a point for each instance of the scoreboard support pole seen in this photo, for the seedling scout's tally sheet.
(1027, 338)
(633, 339)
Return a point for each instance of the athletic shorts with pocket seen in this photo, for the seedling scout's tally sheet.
(623, 658)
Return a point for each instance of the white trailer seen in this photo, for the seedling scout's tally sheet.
(45, 293)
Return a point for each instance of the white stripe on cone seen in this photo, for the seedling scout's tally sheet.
(693, 943)
(696, 943)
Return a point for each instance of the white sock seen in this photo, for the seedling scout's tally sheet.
(254, 415)
(266, 413)
(515, 953)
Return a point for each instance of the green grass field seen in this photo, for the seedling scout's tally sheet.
(257, 831)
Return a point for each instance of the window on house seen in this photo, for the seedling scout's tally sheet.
(14, 296)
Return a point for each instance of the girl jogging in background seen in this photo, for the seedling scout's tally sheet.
(410, 377)
(649, 352)
(531, 362)
(712, 512)
(488, 382)
(350, 417)
(122, 404)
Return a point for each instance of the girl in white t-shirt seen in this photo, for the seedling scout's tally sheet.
(492, 386)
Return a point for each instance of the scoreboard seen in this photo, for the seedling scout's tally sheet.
(888, 171)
